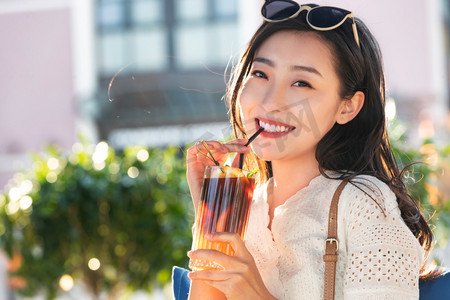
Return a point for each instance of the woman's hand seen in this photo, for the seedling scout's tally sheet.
(240, 278)
(197, 162)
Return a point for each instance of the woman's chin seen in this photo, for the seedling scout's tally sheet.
(266, 154)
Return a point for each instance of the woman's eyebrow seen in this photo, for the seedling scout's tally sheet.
(264, 61)
(307, 69)
(270, 63)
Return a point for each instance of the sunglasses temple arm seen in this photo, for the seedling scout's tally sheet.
(355, 32)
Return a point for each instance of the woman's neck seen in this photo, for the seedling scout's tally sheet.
(291, 176)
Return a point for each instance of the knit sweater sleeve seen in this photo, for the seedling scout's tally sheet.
(383, 256)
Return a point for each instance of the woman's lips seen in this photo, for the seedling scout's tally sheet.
(273, 129)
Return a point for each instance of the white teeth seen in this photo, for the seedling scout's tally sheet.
(273, 128)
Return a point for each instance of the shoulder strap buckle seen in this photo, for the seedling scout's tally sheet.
(332, 240)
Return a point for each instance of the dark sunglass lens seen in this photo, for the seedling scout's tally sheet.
(279, 10)
(325, 16)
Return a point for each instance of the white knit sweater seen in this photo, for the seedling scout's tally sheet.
(379, 258)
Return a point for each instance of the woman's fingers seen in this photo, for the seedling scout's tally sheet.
(202, 151)
(237, 146)
(211, 275)
(233, 239)
(231, 146)
(226, 261)
(211, 255)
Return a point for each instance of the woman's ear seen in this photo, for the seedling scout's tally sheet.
(348, 109)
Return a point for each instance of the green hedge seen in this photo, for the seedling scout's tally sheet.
(130, 210)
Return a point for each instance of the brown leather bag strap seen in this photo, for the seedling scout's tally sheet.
(332, 245)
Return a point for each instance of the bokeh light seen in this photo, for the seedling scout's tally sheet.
(133, 172)
(14, 194)
(94, 264)
(102, 147)
(426, 129)
(51, 177)
(77, 148)
(99, 165)
(430, 154)
(120, 250)
(12, 208)
(52, 163)
(390, 109)
(142, 155)
(74, 159)
(26, 186)
(66, 282)
(101, 153)
(103, 230)
(114, 168)
(25, 202)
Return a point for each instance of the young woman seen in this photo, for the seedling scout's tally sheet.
(312, 77)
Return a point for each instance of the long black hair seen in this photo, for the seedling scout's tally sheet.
(360, 146)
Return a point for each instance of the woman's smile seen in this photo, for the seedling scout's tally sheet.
(273, 129)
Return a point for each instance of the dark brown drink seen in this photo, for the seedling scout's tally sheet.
(224, 207)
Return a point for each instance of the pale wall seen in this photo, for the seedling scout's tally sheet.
(36, 95)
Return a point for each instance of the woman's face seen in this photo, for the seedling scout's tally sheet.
(293, 92)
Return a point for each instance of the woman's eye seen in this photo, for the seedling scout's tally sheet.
(302, 83)
(259, 74)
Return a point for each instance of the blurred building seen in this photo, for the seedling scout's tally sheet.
(169, 59)
(152, 71)
(166, 59)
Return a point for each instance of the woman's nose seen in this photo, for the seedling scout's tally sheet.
(274, 98)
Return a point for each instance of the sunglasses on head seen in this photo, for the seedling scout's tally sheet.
(318, 17)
